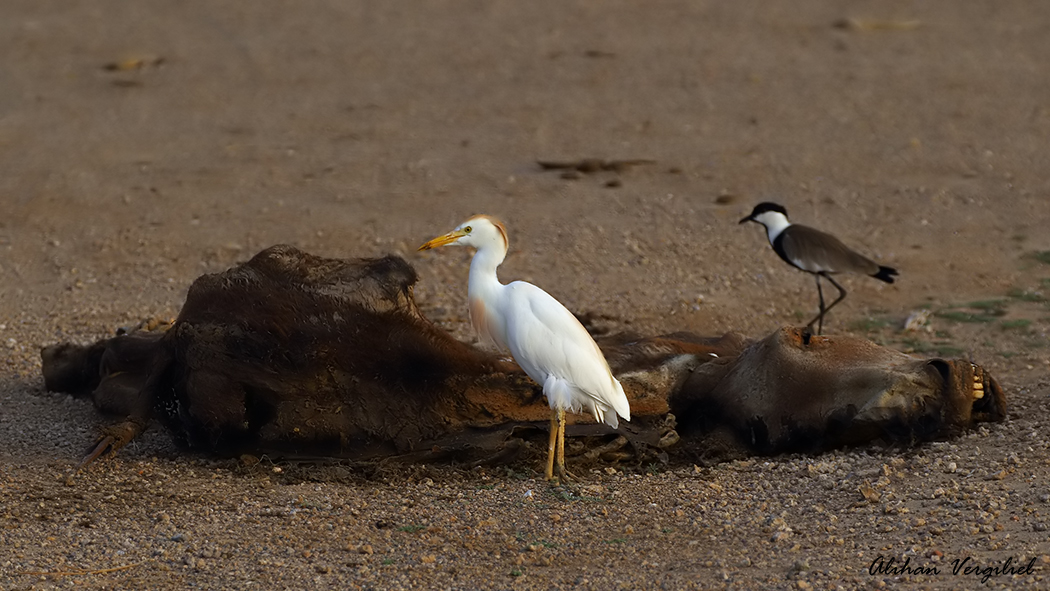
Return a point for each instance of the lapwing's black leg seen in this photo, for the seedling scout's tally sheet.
(842, 296)
(819, 317)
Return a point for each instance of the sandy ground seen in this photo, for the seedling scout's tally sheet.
(917, 132)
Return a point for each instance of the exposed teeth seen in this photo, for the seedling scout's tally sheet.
(978, 382)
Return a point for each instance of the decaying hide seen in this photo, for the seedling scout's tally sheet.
(794, 391)
(299, 356)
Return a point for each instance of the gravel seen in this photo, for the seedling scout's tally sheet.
(360, 129)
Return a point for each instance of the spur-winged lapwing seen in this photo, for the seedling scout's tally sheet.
(815, 252)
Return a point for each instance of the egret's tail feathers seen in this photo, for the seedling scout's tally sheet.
(619, 404)
(605, 407)
(607, 411)
(602, 415)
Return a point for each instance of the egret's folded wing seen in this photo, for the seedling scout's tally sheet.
(545, 338)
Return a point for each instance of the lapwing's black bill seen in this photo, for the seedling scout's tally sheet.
(814, 252)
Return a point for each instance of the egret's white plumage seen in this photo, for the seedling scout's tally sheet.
(546, 340)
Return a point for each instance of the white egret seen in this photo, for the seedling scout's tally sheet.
(546, 340)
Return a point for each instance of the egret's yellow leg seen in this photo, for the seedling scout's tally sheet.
(561, 445)
(551, 445)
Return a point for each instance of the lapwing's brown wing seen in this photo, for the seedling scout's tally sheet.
(816, 251)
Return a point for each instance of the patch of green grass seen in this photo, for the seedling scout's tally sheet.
(869, 324)
(1045, 282)
(545, 544)
(667, 530)
(917, 345)
(1015, 324)
(411, 528)
(388, 561)
(514, 474)
(987, 304)
(920, 346)
(615, 541)
(1026, 296)
(1037, 343)
(566, 495)
(562, 494)
(653, 468)
(1042, 256)
(485, 487)
(517, 572)
(970, 317)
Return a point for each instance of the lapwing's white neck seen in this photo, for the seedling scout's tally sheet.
(775, 223)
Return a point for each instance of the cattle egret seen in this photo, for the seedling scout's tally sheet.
(546, 340)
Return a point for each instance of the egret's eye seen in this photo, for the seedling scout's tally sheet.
(467, 230)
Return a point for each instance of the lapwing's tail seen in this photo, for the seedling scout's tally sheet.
(885, 274)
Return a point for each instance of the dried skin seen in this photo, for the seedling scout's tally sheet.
(298, 356)
(797, 392)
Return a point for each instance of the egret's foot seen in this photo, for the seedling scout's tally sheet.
(563, 477)
(564, 480)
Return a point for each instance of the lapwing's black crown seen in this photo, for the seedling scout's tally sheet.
(768, 206)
